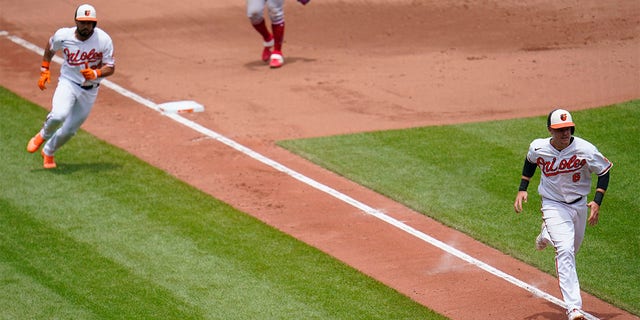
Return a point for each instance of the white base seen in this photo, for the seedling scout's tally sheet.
(186, 106)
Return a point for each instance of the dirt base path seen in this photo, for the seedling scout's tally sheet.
(351, 66)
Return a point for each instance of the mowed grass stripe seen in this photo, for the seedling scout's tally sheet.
(79, 274)
(108, 236)
(467, 176)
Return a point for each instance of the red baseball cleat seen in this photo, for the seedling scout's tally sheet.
(277, 60)
(266, 52)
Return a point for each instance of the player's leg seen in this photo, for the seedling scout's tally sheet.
(76, 117)
(560, 226)
(62, 102)
(580, 222)
(255, 12)
(276, 15)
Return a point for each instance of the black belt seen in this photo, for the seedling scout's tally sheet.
(574, 201)
(88, 87)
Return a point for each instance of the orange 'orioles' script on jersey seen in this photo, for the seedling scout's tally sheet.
(549, 168)
(79, 58)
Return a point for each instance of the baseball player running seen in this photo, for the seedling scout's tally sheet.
(88, 58)
(255, 12)
(567, 163)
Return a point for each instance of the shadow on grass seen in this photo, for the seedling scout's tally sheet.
(70, 168)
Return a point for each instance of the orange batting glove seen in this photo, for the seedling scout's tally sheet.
(90, 74)
(45, 75)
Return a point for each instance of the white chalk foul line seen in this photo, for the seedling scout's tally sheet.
(315, 184)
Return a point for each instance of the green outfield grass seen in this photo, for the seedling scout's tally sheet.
(106, 236)
(467, 176)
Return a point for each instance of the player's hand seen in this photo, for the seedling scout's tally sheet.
(45, 77)
(520, 199)
(90, 74)
(304, 1)
(595, 211)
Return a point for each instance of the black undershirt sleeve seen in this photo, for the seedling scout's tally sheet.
(529, 168)
(603, 181)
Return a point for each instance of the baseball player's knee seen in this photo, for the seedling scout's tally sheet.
(255, 17)
(54, 120)
(276, 17)
(565, 250)
(66, 132)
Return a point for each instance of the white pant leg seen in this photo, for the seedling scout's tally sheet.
(63, 99)
(275, 8)
(255, 10)
(71, 106)
(566, 232)
(580, 221)
(276, 11)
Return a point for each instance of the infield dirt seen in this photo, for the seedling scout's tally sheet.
(350, 66)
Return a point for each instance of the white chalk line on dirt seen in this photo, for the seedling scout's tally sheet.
(313, 183)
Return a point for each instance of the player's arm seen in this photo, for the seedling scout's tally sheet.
(45, 74)
(107, 70)
(594, 205)
(528, 170)
(107, 65)
(601, 188)
(48, 53)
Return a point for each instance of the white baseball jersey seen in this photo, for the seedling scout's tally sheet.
(96, 51)
(566, 174)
